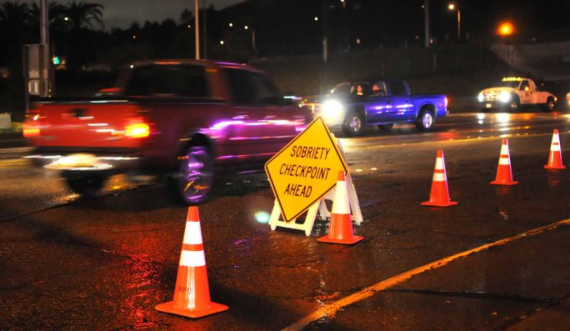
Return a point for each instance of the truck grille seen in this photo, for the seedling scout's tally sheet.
(491, 96)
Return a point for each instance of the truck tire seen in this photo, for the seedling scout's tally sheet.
(385, 127)
(425, 120)
(353, 124)
(85, 184)
(549, 105)
(194, 179)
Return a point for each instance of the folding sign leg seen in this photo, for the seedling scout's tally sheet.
(353, 199)
(306, 226)
(274, 218)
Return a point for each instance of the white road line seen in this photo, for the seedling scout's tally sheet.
(331, 309)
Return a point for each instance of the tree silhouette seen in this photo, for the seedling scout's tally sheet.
(81, 46)
(15, 19)
(83, 15)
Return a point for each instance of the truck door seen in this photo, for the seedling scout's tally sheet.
(281, 119)
(379, 103)
(526, 92)
(402, 108)
(242, 131)
(261, 123)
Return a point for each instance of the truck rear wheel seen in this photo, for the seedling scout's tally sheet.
(425, 120)
(193, 182)
(353, 124)
(85, 184)
(549, 105)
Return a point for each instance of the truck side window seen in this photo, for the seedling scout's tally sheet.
(360, 90)
(242, 86)
(156, 80)
(267, 93)
(398, 88)
(524, 86)
(378, 89)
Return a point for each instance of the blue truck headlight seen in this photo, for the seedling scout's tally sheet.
(332, 109)
(505, 97)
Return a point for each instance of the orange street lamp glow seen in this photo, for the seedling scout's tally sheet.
(506, 29)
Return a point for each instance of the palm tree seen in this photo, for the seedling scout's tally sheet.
(82, 14)
(15, 19)
(56, 16)
(81, 18)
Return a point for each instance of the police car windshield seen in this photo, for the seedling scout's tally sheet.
(510, 83)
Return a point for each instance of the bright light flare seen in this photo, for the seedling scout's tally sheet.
(262, 217)
(503, 118)
(506, 29)
(137, 130)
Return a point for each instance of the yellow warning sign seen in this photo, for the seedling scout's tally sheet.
(305, 170)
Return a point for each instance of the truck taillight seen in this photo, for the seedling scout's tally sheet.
(31, 127)
(446, 102)
(30, 131)
(137, 130)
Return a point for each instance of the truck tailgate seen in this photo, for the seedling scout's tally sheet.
(84, 124)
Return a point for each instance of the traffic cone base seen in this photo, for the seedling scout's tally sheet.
(348, 241)
(211, 308)
(554, 168)
(501, 182)
(439, 204)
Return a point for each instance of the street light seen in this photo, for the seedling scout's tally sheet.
(506, 29)
(453, 6)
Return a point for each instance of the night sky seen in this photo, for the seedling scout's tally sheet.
(122, 13)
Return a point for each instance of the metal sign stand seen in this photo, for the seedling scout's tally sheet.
(319, 207)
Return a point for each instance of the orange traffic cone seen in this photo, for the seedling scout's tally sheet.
(555, 158)
(340, 227)
(504, 174)
(439, 196)
(192, 293)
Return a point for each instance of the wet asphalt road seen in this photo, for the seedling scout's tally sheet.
(103, 264)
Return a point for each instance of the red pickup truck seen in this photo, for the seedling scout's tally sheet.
(186, 118)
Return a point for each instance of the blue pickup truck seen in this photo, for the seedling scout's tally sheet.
(353, 105)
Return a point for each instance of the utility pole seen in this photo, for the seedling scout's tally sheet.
(205, 32)
(45, 68)
(325, 33)
(426, 19)
(197, 28)
(44, 21)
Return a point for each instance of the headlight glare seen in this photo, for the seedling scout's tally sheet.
(505, 96)
(332, 108)
(480, 97)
